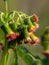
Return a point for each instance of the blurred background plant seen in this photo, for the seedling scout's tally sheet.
(32, 6)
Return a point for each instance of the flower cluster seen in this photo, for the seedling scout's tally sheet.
(18, 29)
(22, 29)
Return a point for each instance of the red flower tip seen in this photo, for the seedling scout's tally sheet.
(36, 41)
(35, 17)
(33, 29)
(46, 54)
(28, 40)
(12, 36)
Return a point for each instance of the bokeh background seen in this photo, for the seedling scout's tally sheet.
(39, 7)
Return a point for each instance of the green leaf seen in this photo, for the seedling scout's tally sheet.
(26, 56)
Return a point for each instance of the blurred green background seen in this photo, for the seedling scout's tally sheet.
(39, 7)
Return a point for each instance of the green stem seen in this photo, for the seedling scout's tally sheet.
(5, 26)
(6, 8)
(10, 56)
(7, 29)
(15, 57)
(4, 54)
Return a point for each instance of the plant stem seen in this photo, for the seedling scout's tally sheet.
(6, 8)
(4, 55)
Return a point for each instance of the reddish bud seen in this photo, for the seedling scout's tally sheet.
(12, 36)
(35, 17)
